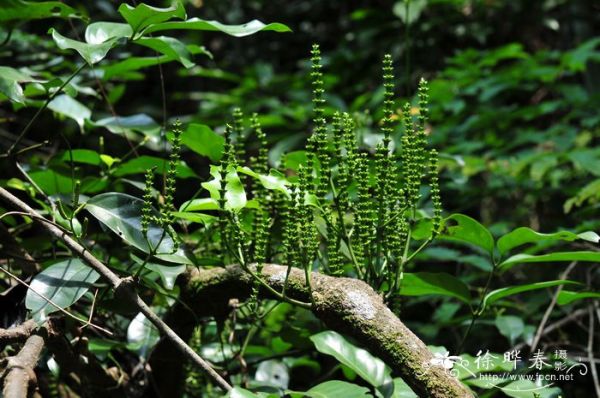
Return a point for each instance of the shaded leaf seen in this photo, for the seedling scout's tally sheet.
(499, 294)
(168, 273)
(567, 297)
(510, 327)
(443, 284)
(548, 258)
(202, 140)
(141, 164)
(334, 389)
(21, 10)
(169, 46)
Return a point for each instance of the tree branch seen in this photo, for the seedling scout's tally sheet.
(19, 372)
(17, 333)
(122, 286)
(349, 306)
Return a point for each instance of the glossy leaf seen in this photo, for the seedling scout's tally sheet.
(402, 390)
(143, 15)
(101, 32)
(127, 125)
(235, 196)
(71, 108)
(64, 283)
(202, 140)
(168, 273)
(169, 46)
(9, 83)
(246, 29)
(567, 297)
(370, 368)
(459, 227)
(523, 235)
(84, 156)
(522, 258)
(91, 53)
(499, 294)
(199, 205)
(274, 180)
(122, 214)
(441, 284)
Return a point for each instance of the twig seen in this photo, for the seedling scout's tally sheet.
(542, 325)
(123, 286)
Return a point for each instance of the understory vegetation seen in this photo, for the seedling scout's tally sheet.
(263, 199)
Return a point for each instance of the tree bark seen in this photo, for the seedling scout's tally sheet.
(348, 306)
(20, 375)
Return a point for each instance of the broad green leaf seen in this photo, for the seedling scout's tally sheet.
(200, 204)
(169, 46)
(235, 196)
(499, 294)
(141, 164)
(523, 235)
(64, 283)
(71, 108)
(201, 139)
(168, 273)
(246, 29)
(274, 180)
(9, 83)
(468, 230)
(122, 214)
(101, 32)
(402, 390)
(143, 15)
(239, 392)
(52, 182)
(441, 284)
(510, 327)
(370, 368)
(142, 335)
(200, 218)
(84, 156)
(92, 53)
(567, 297)
(334, 389)
(549, 258)
(20, 10)
(127, 125)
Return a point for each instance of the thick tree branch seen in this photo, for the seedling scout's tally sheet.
(17, 333)
(349, 306)
(122, 286)
(19, 372)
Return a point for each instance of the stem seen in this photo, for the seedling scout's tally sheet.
(39, 111)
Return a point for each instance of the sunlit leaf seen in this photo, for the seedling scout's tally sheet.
(101, 32)
(549, 258)
(499, 294)
(567, 297)
(64, 283)
(523, 235)
(71, 108)
(246, 29)
(143, 15)
(142, 335)
(92, 53)
(459, 227)
(442, 284)
(169, 46)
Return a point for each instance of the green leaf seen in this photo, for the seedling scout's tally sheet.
(141, 164)
(92, 53)
(567, 297)
(526, 389)
(510, 327)
(200, 204)
(334, 389)
(101, 32)
(239, 392)
(246, 29)
(84, 156)
(127, 125)
(169, 46)
(13, 10)
(202, 140)
(499, 294)
(122, 214)
(469, 231)
(441, 284)
(548, 258)
(235, 196)
(64, 283)
(195, 217)
(370, 368)
(168, 273)
(523, 235)
(144, 15)
(275, 180)
(71, 108)
(589, 193)
(402, 390)
(9, 83)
